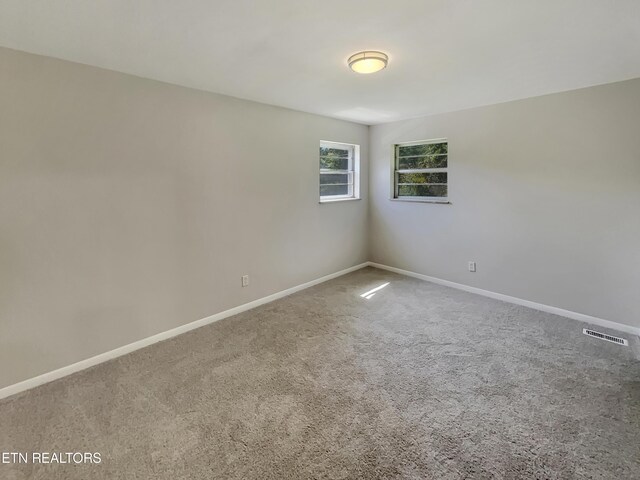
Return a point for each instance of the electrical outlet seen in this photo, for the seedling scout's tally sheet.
(245, 280)
(472, 266)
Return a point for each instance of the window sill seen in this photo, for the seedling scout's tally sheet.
(336, 200)
(421, 200)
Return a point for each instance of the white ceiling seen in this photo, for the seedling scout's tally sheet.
(444, 54)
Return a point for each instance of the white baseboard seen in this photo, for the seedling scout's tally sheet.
(118, 352)
(518, 301)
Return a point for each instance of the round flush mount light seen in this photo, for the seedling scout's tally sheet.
(368, 61)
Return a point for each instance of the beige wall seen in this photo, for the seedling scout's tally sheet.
(545, 198)
(129, 207)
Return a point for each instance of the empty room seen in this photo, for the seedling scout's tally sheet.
(351, 239)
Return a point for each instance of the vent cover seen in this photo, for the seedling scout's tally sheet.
(604, 336)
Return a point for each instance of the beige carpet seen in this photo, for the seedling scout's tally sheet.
(418, 381)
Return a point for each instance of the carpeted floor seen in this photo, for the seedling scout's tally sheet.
(417, 381)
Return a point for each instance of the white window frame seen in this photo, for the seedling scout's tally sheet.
(395, 171)
(353, 170)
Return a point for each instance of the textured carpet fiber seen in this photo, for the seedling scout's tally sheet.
(417, 381)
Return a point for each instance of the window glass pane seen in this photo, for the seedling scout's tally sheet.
(336, 152)
(425, 156)
(439, 177)
(437, 161)
(338, 168)
(332, 178)
(334, 158)
(329, 190)
(422, 190)
(422, 150)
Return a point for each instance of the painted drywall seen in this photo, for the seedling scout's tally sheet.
(129, 207)
(545, 197)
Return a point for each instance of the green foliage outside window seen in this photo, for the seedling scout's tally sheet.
(421, 157)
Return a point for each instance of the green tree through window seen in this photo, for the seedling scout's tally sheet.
(421, 170)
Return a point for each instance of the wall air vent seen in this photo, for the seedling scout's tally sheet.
(604, 336)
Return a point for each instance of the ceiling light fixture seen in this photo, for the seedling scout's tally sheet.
(368, 61)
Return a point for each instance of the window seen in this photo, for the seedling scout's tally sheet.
(420, 171)
(339, 171)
